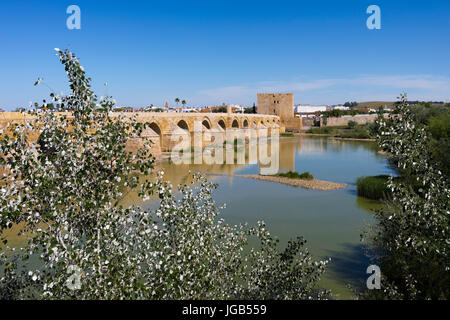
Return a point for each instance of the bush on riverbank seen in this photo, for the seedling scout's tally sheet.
(295, 175)
(352, 131)
(358, 132)
(322, 130)
(372, 187)
(352, 124)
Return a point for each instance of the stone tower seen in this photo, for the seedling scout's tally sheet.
(278, 104)
(282, 105)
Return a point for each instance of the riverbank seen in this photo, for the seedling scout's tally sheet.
(366, 132)
(336, 137)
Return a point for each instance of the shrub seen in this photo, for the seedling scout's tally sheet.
(296, 175)
(352, 124)
(358, 133)
(374, 187)
(219, 110)
(322, 130)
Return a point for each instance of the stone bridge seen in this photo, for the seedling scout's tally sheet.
(164, 124)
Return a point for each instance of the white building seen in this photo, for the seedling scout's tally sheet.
(309, 109)
(340, 108)
(237, 108)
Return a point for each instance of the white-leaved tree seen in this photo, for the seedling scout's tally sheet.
(62, 192)
(411, 237)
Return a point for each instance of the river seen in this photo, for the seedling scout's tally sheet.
(330, 221)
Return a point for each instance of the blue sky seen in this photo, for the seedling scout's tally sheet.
(214, 52)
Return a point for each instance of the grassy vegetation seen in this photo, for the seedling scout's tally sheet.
(372, 187)
(357, 132)
(437, 122)
(286, 134)
(352, 130)
(340, 113)
(322, 130)
(296, 175)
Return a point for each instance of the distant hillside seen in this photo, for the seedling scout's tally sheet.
(372, 104)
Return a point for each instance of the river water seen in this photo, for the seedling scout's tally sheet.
(330, 221)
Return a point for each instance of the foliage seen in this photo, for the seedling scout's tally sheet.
(352, 124)
(286, 134)
(78, 242)
(340, 113)
(366, 131)
(321, 130)
(219, 110)
(64, 190)
(351, 104)
(411, 237)
(358, 132)
(439, 128)
(296, 175)
(372, 187)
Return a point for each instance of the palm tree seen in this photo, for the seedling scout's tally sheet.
(177, 100)
(183, 102)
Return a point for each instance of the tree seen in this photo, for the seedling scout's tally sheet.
(411, 236)
(183, 102)
(352, 124)
(64, 195)
(177, 100)
(351, 104)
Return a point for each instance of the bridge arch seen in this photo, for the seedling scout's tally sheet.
(245, 123)
(221, 124)
(183, 125)
(206, 123)
(235, 124)
(153, 131)
(155, 127)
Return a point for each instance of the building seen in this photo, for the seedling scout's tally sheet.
(237, 108)
(277, 104)
(340, 108)
(282, 105)
(303, 109)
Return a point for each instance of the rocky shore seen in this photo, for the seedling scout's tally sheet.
(314, 184)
